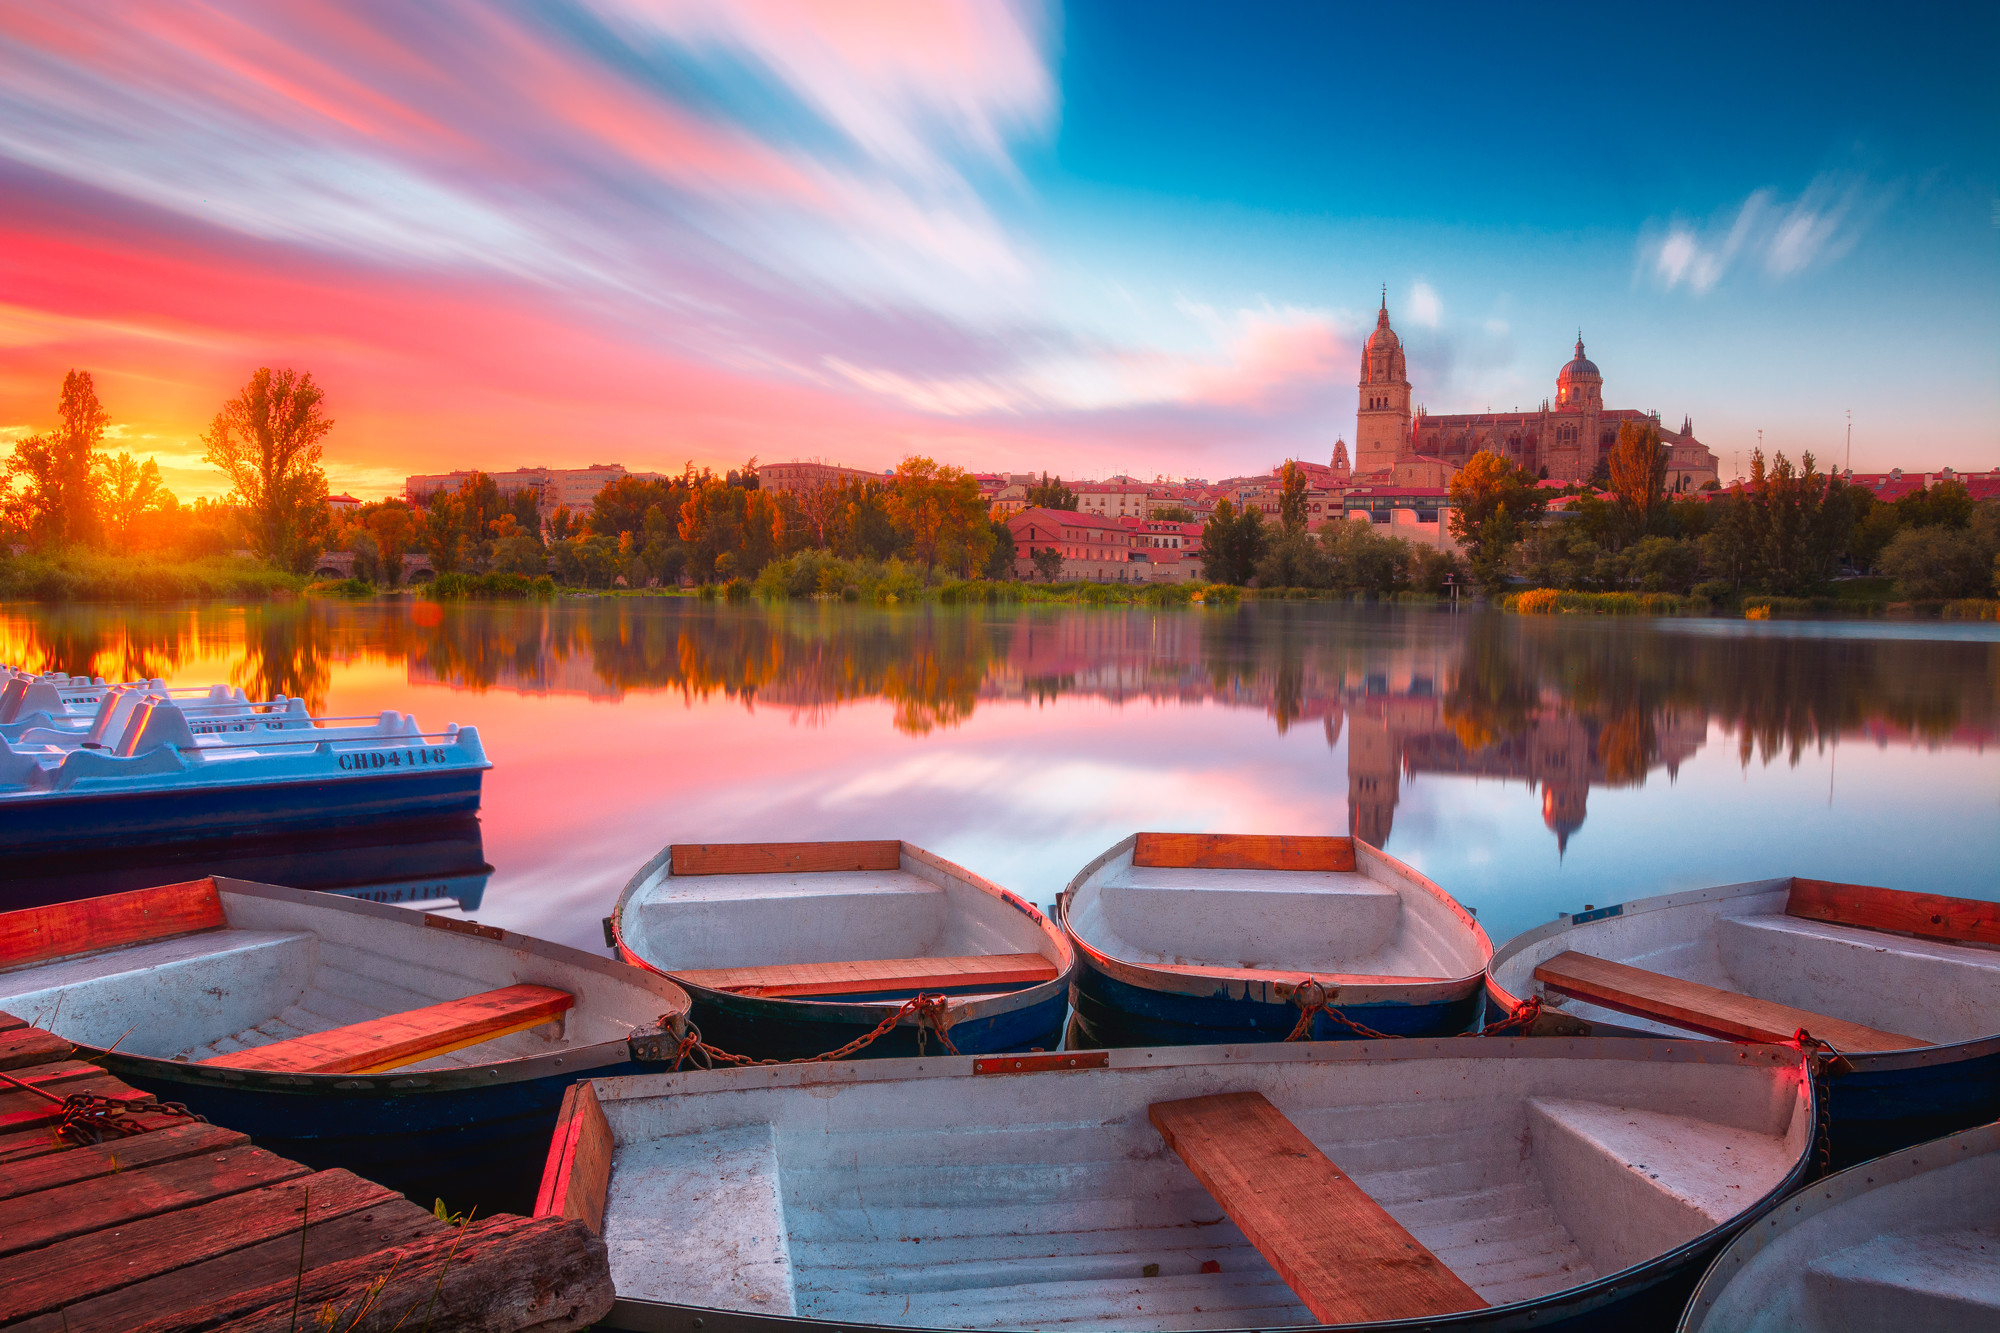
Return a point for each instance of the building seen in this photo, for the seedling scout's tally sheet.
(796, 476)
(342, 504)
(1420, 514)
(1113, 499)
(1565, 439)
(555, 488)
(1107, 550)
(1894, 484)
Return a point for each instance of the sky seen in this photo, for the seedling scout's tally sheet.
(1108, 237)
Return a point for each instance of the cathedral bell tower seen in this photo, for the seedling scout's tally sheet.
(1382, 423)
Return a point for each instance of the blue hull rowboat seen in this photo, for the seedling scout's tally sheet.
(164, 784)
(425, 1052)
(1449, 1183)
(1188, 939)
(1905, 987)
(792, 950)
(1906, 1241)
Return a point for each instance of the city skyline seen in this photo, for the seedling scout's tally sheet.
(1092, 239)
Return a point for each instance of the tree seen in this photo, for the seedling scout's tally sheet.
(1945, 504)
(1936, 561)
(940, 507)
(1048, 563)
(819, 511)
(59, 502)
(1637, 468)
(1232, 543)
(393, 527)
(1493, 503)
(267, 441)
(1292, 497)
(1174, 514)
(442, 530)
(1000, 559)
(1051, 494)
(132, 493)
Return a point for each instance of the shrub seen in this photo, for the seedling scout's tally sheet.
(340, 588)
(98, 576)
(1937, 562)
(1714, 590)
(1538, 602)
(737, 589)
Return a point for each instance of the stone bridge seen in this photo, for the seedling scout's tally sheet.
(340, 565)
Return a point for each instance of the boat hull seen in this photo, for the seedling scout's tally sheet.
(1114, 1012)
(767, 1029)
(212, 813)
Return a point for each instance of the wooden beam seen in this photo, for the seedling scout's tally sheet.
(1930, 915)
(30, 1221)
(1699, 1008)
(23, 1047)
(92, 925)
(766, 858)
(1241, 851)
(1339, 1250)
(876, 974)
(395, 1040)
(578, 1173)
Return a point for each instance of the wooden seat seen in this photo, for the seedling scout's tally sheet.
(92, 925)
(1929, 915)
(876, 974)
(769, 858)
(395, 1040)
(1699, 1008)
(1338, 1249)
(1241, 851)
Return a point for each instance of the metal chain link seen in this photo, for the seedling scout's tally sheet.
(932, 1011)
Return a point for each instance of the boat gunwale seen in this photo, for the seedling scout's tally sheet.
(1271, 986)
(1531, 1313)
(1828, 1193)
(396, 1082)
(1909, 1057)
(865, 1012)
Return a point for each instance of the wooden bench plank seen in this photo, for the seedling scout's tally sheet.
(31, 1046)
(765, 858)
(1699, 1008)
(31, 1221)
(38, 934)
(1930, 915)
(1241, 851)
(1338, 1249)
(89, 1161)
(577, 1175)
(877, 974)
(89, 1265)
(395, 1040)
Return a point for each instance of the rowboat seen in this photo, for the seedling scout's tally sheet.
(1904, 987)
(1465, 1182)
(1907, 1241)
(427, 1052)
(163, 782)
(1186, 938)
(793, 950)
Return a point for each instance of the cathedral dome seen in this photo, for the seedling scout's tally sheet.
(1580, 367)
(1384, 338)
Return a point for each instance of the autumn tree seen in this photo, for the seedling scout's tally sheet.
(941, 508)
(266, 440)
(1637, 466)
(394, 528)
(1292, 497)
(1493, 504)
(58, 500)
(131, 494)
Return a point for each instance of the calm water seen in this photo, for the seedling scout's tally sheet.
(1529, 766)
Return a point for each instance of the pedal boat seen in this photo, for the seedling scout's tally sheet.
(1454, 1183)
(792, 950)
(428, 1053)
(1186, 938)
(1905, 987)
(1907, 1241)
(163, 782)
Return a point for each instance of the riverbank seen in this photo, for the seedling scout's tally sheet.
(95, 576)
(1749, 606)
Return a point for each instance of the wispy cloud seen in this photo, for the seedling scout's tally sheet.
(1767, 233)
(1426, 307)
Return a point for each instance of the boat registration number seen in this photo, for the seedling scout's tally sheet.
(369, 761)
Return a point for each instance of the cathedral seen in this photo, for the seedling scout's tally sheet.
(1563, 440)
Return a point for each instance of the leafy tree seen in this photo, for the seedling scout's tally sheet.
(819, 508)
(526, 507)
(1174, 514)
(1637, 470)
(132, 493)
(394, 528)
(1493, 504)
(1048, 563)
(442, 532)
(1000, 560)
(726, 530)
(58, 504)
(1937, 561)
(867, 530)
(562, 524)
(622, 505)
(1232, 543)
(940, 507)
(1663, 564)
(1048, 494)
(267, 441)
(1358, 559)
(1292, 498)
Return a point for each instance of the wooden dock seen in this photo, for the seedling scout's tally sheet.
(178, 1226)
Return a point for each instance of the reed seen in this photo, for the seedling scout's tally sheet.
(103, 576)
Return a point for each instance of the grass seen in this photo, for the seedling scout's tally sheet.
(101, 576)
(1557, 602)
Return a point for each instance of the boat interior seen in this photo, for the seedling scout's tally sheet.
(260, 977)
(1891, 990)
(1292, 915)
(826, 921)
(889, 1194)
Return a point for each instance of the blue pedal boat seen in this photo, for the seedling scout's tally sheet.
(1904, 986)
(426, 1052)
(792, 950)
(173, 775)
(1189, 939)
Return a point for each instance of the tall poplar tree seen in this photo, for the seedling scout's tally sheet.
(267, 441)
(60, 468)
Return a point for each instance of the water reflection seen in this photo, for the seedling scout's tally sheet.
(1561, 706)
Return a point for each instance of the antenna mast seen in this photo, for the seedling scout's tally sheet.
(1850, 441)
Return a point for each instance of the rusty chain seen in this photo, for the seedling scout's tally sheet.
(932, 1011)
